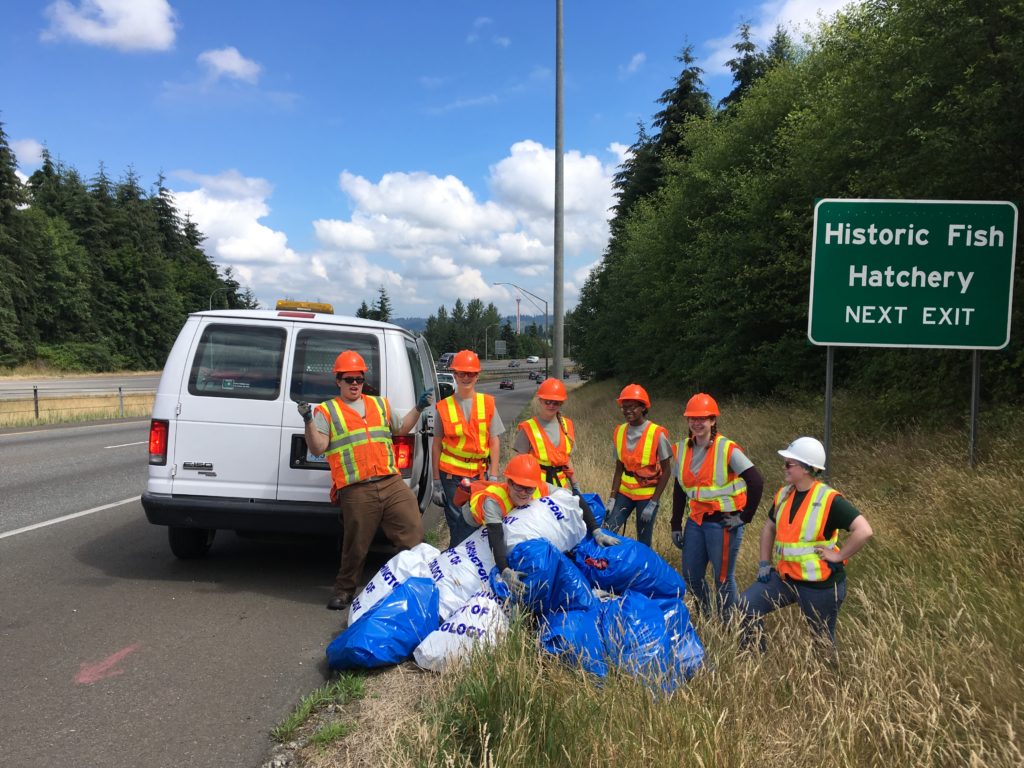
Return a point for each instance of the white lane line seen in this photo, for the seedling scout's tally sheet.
(125, 445)
(72, 516)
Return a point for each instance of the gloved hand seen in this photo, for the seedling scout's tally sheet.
(650, 509)
(764, 571)
(604, 539)
(575, 487)
(493, 479)
(610, 502)
(305, 411)
(732, 522)
(426, 398)
(513, 582)
(438, 497)
(677, 539)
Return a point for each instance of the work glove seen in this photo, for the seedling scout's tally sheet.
(492, 479)
(575, 488)
(426, 398)
(764, 571)
(650, 508)
(513, 581)
(732, 522)
(438, 497)
(610, 502)
(677, 539)
(305, 411)
(604, 539)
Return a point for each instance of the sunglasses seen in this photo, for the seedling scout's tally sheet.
(552, 403)
(352, 379)
(466, 374)
(791, 464)
(521, 489)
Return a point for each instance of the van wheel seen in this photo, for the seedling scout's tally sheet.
(190, 543)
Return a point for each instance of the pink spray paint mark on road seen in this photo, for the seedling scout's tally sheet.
(92, 673)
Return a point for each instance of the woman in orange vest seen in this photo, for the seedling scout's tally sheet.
(719, 488)
(549, 436)
(490, 504)
(803, 530)
(470, 430)
(643, 465)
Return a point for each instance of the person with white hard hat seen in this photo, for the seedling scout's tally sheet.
(803, 530)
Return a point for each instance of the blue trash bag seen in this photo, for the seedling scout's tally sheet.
(634, 631)
(553, 582)
(685, 648)
(629, 566)
(596, 506)
(575, 636)
(390, 631)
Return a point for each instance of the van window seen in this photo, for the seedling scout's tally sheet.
(416, 366)
(238, 361)
(313, 369)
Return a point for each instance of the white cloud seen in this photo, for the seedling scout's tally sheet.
(503, 42)
(228, 62)
(634, 65)
(128, 25)
(28, 152)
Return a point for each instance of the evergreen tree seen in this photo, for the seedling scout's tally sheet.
(747, 67)
(382, 307)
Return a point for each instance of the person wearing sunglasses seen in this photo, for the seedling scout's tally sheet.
(548, 435)
(643, 465)
(803, 530)
(469, 446)
(354, 431)
(719, 489)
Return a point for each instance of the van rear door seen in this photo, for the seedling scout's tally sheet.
(227, 432)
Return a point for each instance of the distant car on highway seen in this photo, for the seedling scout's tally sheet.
(533, 359)
(536, 375)
(513, 363)
(506, 384)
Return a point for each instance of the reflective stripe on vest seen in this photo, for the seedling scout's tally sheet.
(549, 455)
(795, 540)
(359, 447)
(499, 493)
(715, 487)
(464, 445)
(641, 463)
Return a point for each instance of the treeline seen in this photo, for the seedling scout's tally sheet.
(705, 278)
(476, 327)
(98, 275)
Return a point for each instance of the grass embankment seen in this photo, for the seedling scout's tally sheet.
(930, 637)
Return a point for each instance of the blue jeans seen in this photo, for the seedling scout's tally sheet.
(458, 529)
(703, 544)
(620, 513)
(819, 606)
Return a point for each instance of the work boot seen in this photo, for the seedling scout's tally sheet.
(339, 602)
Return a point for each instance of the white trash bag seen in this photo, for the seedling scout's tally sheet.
(461, 572)
(404, 565)
(480, 620)
(556, 518)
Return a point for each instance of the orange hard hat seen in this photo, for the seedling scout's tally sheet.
(552, 389)
(701, 404)
(634, 392)
(466, 361)
(349, 360)
(523, 469)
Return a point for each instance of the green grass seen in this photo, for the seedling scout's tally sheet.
(331, 733)
(341, 691)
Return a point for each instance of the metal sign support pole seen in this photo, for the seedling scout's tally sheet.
(829, 367)
(975, 392)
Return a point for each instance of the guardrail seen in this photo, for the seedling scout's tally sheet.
(41, 404)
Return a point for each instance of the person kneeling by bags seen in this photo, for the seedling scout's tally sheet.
(490, 503)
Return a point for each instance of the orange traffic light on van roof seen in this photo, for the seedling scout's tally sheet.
(309, 306)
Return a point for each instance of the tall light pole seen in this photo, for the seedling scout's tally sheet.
(559, 235)
(538, 298)
(215, 292)
(486, 331)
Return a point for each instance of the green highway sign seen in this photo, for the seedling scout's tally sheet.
(912, 273)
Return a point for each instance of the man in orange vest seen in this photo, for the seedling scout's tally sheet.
(549, 435)
(643, 465)
(803, 530)
(354, 431)
(469, 446)
(491, 503)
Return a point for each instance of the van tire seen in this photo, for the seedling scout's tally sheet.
(189, 543)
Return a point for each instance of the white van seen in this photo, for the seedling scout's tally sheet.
(226, 446)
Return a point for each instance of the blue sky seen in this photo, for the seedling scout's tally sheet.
(328, 147)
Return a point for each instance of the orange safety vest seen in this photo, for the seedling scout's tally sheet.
(553, 459)
(795, 540)
(498, 492)
(464, 444)
(359, 448)
(715, 487)
(642, 467)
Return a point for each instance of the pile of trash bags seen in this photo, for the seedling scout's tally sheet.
(599, 607)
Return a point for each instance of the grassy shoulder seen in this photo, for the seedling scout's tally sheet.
(931, 635)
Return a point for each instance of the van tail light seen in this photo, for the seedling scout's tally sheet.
(403, 451)
(158, 442)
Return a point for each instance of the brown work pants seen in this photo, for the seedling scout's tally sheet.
(387, 504)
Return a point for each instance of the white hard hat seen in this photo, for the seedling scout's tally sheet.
(806, 450)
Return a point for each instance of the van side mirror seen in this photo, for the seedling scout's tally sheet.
(444, 389)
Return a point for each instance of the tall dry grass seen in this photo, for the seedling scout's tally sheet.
(931, 637)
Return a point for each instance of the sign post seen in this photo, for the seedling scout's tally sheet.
(913, 273)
